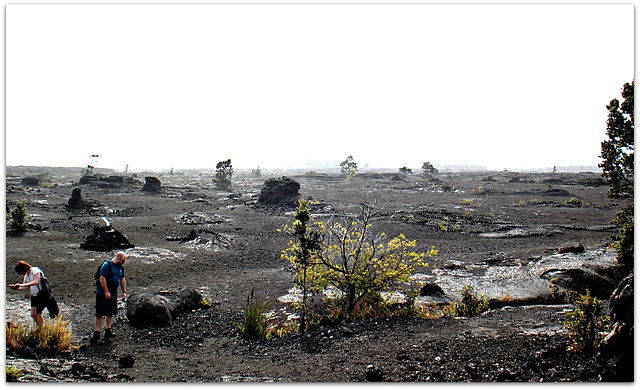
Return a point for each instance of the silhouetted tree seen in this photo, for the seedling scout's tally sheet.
(224, 172)
(348, 166)
(429, 169)
(617, 167)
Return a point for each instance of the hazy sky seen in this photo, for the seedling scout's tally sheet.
(184, 86)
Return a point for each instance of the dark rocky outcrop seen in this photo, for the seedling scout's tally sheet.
(88, 179)
(30, 181)
(152, 184)
(571, 247)
(75, 202)
(431, 289)
(615, 353)
(581, 279)
(146, 308)
(596, 271)
(101, 180)
(106, 238)
(281, 191)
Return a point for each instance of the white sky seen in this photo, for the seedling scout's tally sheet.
(158, 86)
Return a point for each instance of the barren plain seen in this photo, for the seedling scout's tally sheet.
(500, 223)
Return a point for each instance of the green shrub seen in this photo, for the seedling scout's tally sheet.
(445, 226)
(624, 243)
(585, 324)
(408, 307)
(471, 305)
(14, 372)
(372, 305)
(18, 217)
(573, 202)
(255, 322)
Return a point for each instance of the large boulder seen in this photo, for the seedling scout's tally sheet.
(615, 353)
(571, 247)
(30, 181)
(146, 308)
(281, 191)
(89, 179)
(75, 202)
(106, 238)
(152, 184)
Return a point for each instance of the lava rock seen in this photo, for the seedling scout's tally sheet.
(75, 202)
(373, 373)
(78, 368)
(152, 184)
(582, 279)
(572, 247)
(127, 361)
(30, 181)
(615, 358)
(281, 191)
(106, 238)
(431, 289)
(146, 308)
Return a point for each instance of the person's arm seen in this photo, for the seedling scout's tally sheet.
(35, 281)
(123, 283)
(103, 284)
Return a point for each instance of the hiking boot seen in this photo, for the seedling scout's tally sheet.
(109, 333)
(96, 336)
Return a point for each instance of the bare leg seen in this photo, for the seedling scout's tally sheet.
(98, 324)
(37, 317)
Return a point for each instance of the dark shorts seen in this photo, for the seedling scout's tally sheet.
(39, 303)
(106, 307)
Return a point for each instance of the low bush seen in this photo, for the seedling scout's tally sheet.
(471, 305)
(255, 322)
(18, 217)
(14, 372)
(586, 324)
(52, 334)
(371, 306)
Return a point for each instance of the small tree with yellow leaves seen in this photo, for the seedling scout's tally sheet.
(300, 252)
(356, 260)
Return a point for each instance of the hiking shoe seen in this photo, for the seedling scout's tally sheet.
(96, 336)
(109, 333)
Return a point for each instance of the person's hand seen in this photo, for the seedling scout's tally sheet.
(124, 296)
(107, 294)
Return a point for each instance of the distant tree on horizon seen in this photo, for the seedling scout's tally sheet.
(348, 166)
(224, 173)
(429, 169)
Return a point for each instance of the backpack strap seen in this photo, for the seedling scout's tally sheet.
(108, 267)
(40, 281)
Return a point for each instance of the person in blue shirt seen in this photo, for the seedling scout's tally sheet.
(111, 276)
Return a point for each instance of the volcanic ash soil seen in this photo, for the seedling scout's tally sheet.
(226, 244)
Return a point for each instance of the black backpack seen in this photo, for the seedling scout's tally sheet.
(97, 276)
